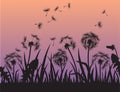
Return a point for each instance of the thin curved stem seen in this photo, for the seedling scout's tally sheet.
(88, 56)
(72, 59)
(29, 54)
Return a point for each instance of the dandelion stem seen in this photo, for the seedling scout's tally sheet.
(75, 67)
(29, 54)
(72, 58)
(88, 56)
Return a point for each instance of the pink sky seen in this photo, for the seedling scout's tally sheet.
(19, 17)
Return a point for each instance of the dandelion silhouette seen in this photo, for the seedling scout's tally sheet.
(32, 43)
(89, 41)
(68, 42)
(60, 58)
(104, 12)
(12, 58)
(52, 19)
(53, 39)
(46, 11)
(102, 59)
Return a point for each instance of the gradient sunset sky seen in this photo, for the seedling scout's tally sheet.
(18, 18)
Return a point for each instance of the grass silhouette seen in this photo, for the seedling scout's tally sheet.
(20, 70)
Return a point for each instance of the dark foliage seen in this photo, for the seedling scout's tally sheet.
(116, 62)
(25, 70)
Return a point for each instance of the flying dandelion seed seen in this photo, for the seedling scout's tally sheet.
(104, 12)
(99, 24)
(52, 19)
(69, 5)
(57, 8)
(46, 10)
(39, 25)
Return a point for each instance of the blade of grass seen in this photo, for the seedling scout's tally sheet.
(43, 65)
(9, 74)
(52, 69)
(96, 73)
(81, 66)
(25, 62)
(16, 76)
